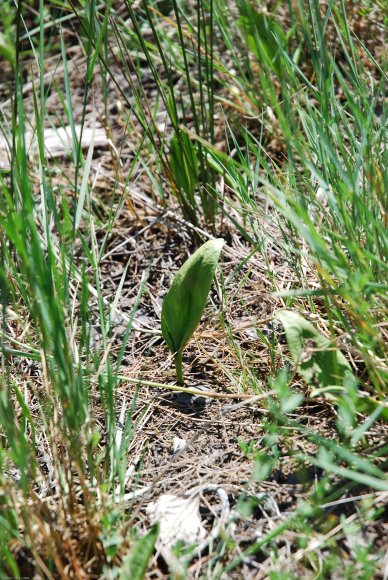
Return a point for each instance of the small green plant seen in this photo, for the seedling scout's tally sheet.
(186, 299)
(324, 366)
(318, 361)
(186, 165)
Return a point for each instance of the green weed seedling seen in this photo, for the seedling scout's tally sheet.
(186, 299)
(324, 366)
(318, 361)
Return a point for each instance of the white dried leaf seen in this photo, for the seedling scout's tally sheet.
(58, 142)
(178, 444)
(322, 195)
(179, 521)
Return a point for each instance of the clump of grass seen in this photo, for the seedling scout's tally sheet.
(333, 223)
(191, 56)
(50, 434)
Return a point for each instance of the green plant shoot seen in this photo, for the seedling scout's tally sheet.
(318, 361)
(321, 364)
(186, 299)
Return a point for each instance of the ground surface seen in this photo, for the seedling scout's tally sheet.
(228, 355)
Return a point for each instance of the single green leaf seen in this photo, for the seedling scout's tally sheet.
(318, 361)
(186, 299)
(135, 565)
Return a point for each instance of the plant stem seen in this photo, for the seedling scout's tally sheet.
(209, 394)
(178, 367)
